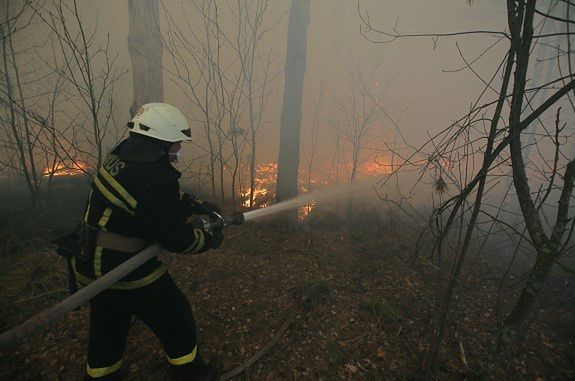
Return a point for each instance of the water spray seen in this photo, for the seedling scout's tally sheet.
(238, 218)
(216, 222)
(321, 195)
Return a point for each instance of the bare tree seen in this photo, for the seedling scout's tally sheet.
(357, 114)
(196, 68)
(355, 118)
(145, 46)
(514, 98)
(89, 70)
(250, 33)
(288, 161)
(228, 98)
(198, 47)
(315, 130)
(21, 136)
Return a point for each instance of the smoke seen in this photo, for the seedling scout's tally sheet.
(327, 194)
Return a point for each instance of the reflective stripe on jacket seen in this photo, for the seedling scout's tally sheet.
(137, 200)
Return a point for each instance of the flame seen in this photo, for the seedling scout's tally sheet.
(375, 167)
(265, 184)
(264, 190)
(303, 210)
(65, 170)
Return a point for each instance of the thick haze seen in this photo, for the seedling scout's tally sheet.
(417, 88)
(420, 83)
(434, 186)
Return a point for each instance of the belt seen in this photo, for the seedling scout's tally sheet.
(118, 242)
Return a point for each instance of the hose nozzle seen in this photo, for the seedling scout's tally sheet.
(236, 218)
(217, 222)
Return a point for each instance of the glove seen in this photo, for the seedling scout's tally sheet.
(188, 202)
(199, 207)
(216, 239)
(207, 208)
(215, 235)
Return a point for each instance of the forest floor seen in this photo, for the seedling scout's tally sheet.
(349, 306)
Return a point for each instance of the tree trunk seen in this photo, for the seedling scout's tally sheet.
(547, 247)
(145, 46)
(7, 56)
(288, 162)
(352, 177)
(535, 282)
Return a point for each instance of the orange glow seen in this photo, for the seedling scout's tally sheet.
(265, 185)
(447, 164)
(264, 190)
(65, 170)
(375, 167)
(303, 210)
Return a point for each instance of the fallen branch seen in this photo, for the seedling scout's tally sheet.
(256, 357)
(462, 354)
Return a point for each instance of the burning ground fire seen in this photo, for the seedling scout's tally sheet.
(264, 192)
(74, 169)
(372, 168)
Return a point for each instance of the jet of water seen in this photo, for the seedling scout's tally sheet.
(321, 195)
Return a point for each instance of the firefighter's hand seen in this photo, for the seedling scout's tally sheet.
(216, 234)
(199, 207)
(189, 203)
(216, 239)
(207, 208)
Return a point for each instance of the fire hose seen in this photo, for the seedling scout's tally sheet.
(52, 314)
(36, 323)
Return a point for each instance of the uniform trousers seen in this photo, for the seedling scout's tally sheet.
(162, 307)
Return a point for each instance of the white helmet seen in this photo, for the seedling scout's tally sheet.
(161, 121)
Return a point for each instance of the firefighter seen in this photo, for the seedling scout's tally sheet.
(134, 201)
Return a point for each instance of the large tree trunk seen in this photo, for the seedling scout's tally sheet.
(548, 247)
(288, 162)
(145, 46)
(535, 282)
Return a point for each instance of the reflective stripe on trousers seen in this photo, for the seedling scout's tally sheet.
(160, 305)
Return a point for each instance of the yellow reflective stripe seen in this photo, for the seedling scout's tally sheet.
(82, 279)
(184, 359)
(77, 275)
(198, 243)
(105, 218)
(88, 207)
(98, 252)
(148, 279)
(119, 188)
(101, 372)
(98, 261)
(113, 199)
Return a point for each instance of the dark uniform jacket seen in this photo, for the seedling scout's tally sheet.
(137, 199)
